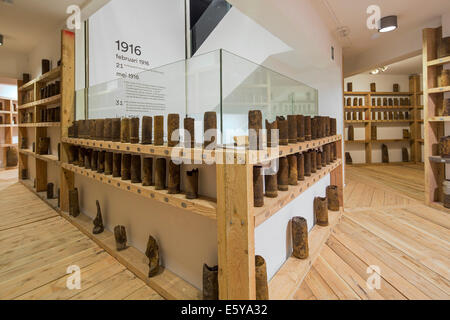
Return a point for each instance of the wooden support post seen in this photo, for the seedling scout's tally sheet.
(235, 230)
(67, 179)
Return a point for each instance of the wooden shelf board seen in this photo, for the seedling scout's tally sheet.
(439, 159)
(40, 125)
(357, 121)
(356, 108)
(7, 145)
(438, 90)
(438, 62)
(439, 119)
(290, 276)
(48, 101)
(356, 141)
(365, 93)
(390, 121)
(258, 157)
(44, 157)
(9, 125)
(391, 140)
(197, 155)
(166, 283)
(273, 205)
(53, 74)
(202, 206)
(392, 107)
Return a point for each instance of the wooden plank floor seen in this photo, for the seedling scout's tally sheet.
(37, 246)
(384, 225)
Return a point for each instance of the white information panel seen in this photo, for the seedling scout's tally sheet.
(127, 38)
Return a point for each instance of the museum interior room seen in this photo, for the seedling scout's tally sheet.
(224, 150)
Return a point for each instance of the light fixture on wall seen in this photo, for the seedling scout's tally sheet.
(1, 39)
(379, 70)
(388, 24)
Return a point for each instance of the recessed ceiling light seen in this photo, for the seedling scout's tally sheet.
(388, 24)
(1, 39)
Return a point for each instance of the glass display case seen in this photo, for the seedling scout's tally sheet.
(217, 81)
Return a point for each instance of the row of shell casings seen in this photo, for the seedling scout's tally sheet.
(291, 169)
(379, 102)
(378, 115)
(127, 130)
(50, 115)
(138, 169)
(290, 129)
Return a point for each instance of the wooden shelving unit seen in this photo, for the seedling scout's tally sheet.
(9, 121)
(367, 109)
(434, 124)
(33, 104)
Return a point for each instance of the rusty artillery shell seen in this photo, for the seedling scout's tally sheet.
(101, 162)
(333, 198)
(292, 128)
(92, 129)
(136, 168)
(307, 166)
(147, 169)
(324, 157)
(174, 178)
(254, 129)
(373, 87)
(321, 211)
(99, 128)
(355, 102)
(108, 163)
(126, 167)
(299, 238)
(121, 237)
(81, 152)
(189, 132)
(191, 184)
(283, 132)
(43, 146)
(210, 282)
(349, 102)
(293, 170)
(314, 127)
(117, 165)
(307, 128)
(300, 128)
(134, 130)
(160, 174)
(262, 289)
(72, 154)
(384, 154)
(125, 130)
(94, 160)
(147, 130)
(283, 174)
(385, 102)
(396, 87)
(258, 187)
(98, 221)
(272, 134)
(334, 151)
(328, 122)
(107, 130)
(74, 206)
(379, 102)
(300, 166)
(159, 130)
(318, 160)
(313, 161)
(87, 158)
(152, 253)
(115, 125)
(328, 155)
(209, 123)
(351, 133)
(50, 190)
(173, 124)
(271, 180)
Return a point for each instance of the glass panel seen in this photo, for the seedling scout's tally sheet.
(218, 81)
(249, 86)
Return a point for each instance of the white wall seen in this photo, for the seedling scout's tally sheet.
(12, 64)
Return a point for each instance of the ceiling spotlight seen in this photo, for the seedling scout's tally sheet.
(376, 71)
(388, 24)
(1, 39)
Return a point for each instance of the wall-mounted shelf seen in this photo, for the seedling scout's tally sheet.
(40, 125)
(438, 90)
(438, 62)
(413, 120)
(48, 101)
(46, 77)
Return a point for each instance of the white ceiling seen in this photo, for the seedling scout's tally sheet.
(25, 22)
(411, 14)
(406, 67)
